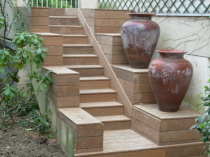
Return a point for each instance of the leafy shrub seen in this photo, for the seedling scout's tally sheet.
(203, 122)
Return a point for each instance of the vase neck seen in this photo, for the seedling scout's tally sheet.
(140, 16)
(172, 55)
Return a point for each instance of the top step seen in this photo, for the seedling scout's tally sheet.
(64, 20)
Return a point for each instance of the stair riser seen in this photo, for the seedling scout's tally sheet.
(80, 60)
(66, 30)
(85, 72)
(77, 50)
(64, 21)
(85, 98)
(94, 84)
(105, 111)
(117, 125)
(75, 40)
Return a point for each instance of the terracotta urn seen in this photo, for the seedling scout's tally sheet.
(170, 77)
(140, 36)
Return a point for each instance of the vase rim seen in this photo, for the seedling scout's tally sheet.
(171, 51)
(142, 14)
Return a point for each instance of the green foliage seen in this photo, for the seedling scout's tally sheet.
(107, 5)
(17, 101)
(1, 21)
(55, 4)
(203, 122)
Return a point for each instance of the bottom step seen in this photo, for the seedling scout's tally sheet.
(115, 122)
(127, 143)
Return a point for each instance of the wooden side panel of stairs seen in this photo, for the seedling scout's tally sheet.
(87, 100)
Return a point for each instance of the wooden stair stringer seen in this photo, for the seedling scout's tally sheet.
(108, 72)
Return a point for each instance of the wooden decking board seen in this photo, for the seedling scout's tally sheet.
(182, 113)
(96, 91)
(96, 78)
(100, 104)
(79, 116)
(113, 118)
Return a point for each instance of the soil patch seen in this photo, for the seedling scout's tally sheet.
(17, 142)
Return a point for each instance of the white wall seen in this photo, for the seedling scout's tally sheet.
(193, 35)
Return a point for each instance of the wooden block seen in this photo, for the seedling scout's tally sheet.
(75, 39)
(54, 50)
(145, 118)
(60, 102)
(84, 72)
(136, 88)
(191, 150)
(64, 21)
(94, 84)
(52, 40)
(97, 97)
(87, 13)
(89, 142)
(136, 76)
(117, 125)
(53, 60)
(140, 97)
(66, 30)
(86, 60)
(108, 22)
(40, 21)
(90, 21)
(105, 111)
(40, 11)
(112, 14)
(89, 130)
(64, 91)
(109, 39)
(103, 29)
(38, 29)
(57, 11)
(65, 80)
(113, 49)
(116, 58)
(78, 50)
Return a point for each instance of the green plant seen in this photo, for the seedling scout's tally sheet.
(17, 101)
(55, 4)
(203, 122)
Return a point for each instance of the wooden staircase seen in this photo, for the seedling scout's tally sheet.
(85, 100)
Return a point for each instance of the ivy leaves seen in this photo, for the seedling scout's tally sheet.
(203, 122)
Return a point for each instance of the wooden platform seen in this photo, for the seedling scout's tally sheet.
(128, 143)
(165, 128)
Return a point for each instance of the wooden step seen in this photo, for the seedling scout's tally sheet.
(128, 143)
(94, 82)
(64, 20)
(103, 108)
(115, 122)
(81, 59)
(97, 95)
(66, 29)
(75, 39)
(87, 70)
(77, 49)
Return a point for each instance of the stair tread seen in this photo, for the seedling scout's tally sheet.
(73, 17)
(79, 55)
(96, 78)
(97, 91)
(84, 66)
(100, 104)
(65, 26)
(74, 35)
(113, 118)
(77, 45)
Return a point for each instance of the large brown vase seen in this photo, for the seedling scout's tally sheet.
(170, 77)
(140, 36)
